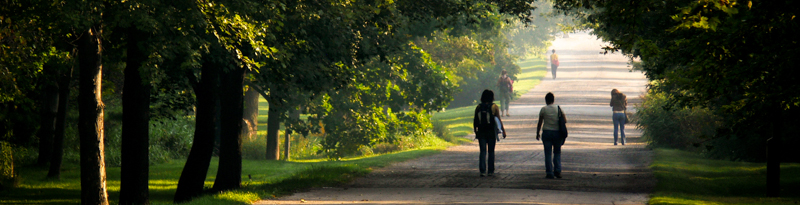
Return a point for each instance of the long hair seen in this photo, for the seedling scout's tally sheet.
(615, 94)
(487, 96)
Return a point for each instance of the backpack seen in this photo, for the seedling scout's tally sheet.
(486, 123)
(506, 84)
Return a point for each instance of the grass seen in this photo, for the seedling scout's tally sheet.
(689, 178)
(459, 119)
(269, 179)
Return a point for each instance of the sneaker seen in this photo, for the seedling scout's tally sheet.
(508, 115)
(491, 174)
(558, 175)
(483, 175)
(549, 177)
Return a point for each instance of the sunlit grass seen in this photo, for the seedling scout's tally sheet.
(688, 178)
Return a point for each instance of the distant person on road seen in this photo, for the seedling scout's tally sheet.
(619, 103)
(554, 63)
(485, 127)
(506, 87)
(548, 123)
(501, 129)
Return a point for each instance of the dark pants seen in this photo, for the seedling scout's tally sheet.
(505, 99)
(552, 148)
(553, 68)
(486, 141)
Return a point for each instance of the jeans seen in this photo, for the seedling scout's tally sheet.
(505, 98)
(619, 126)
(486, 143)
(553, 68)
(552, 148)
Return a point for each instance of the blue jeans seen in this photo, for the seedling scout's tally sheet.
(619, 126)
(486, 144)
(552, 148)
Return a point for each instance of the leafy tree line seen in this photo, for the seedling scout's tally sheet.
(734, 58)
(351, 65)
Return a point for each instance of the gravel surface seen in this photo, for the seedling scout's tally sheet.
(595, 171)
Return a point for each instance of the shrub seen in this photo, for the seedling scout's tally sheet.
(665, 125)
(8, 179)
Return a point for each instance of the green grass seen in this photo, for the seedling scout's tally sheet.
(689, 178)
(459, 119)
(269, 179)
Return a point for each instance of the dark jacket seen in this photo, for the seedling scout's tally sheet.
(619, 102)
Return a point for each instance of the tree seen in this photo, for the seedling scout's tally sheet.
(93, 170)
(136, 124)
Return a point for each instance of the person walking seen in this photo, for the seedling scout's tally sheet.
(554, 63)
(619, 103)
(548, 124)
(506, 87)
(485, 127)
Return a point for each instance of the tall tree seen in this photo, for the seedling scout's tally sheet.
(229, 174)
(135, 124)
(90, 125)
(49, 102)
(194, 172)
(58, 138)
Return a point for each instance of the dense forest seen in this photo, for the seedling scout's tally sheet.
(139, 82)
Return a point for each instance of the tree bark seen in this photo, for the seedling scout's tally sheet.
(229, 172)
(273, 125)
(251, 111)
(774, 156)
(90, 123)
(49, 103)
(61, 117)
(194, 172)
(135, 126)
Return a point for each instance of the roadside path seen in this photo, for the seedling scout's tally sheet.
(595, 171)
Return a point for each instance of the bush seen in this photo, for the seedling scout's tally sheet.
(8, 179)
(170, 138)
(664, 125)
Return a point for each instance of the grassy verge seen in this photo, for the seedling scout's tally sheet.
(688, 178)
(459, 120)
(267, 179)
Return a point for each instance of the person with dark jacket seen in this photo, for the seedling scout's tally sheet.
(485, 128)
(619, 103)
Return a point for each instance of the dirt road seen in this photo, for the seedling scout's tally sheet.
(595, 171)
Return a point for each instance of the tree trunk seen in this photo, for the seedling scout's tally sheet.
(61, 117)
(288, 133)
(134, 174)
(251, 111)
(194, 172)
(49, 103)
(273, 125)
(229, 172)
(774, 156)
(90, 123)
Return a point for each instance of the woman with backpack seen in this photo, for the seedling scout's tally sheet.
(619, 104)
(485, 127)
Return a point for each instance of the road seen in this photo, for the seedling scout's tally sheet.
(595, 171)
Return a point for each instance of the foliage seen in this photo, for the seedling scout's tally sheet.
(669, 126)
(735, 58)
(689, 178)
